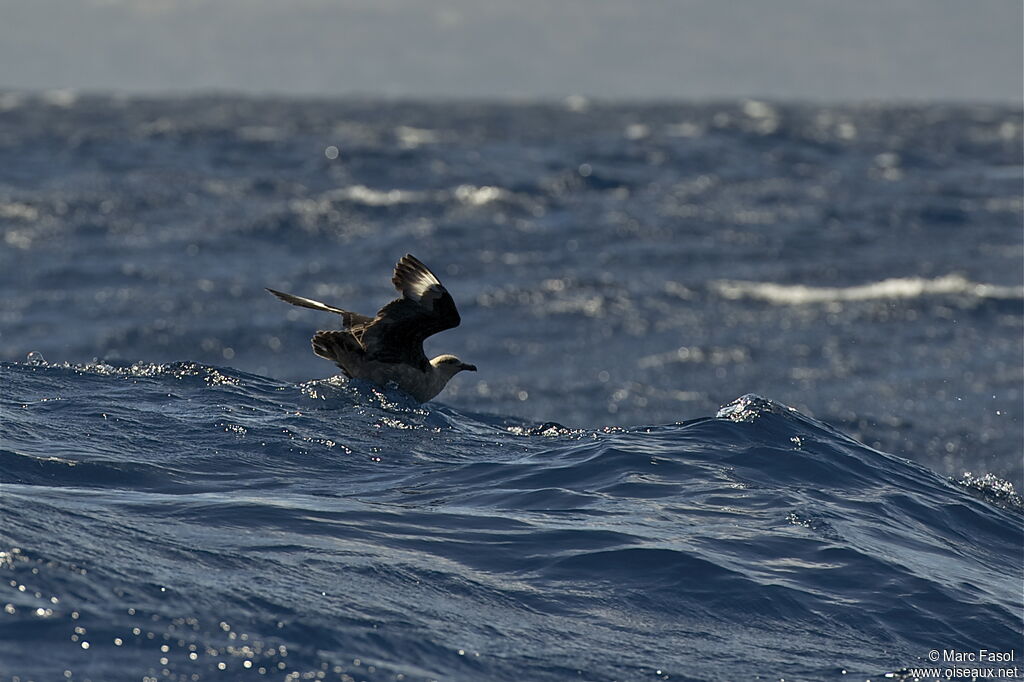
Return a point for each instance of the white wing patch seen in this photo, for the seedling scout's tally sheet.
(416, 281)
(420, 285)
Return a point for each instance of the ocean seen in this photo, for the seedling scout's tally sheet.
(749, 401)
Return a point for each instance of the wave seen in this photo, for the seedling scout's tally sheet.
(191, 520)
(893, 288)
(470, 195)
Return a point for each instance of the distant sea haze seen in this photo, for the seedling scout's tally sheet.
(871, 50)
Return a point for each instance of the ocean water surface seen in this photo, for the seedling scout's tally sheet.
(749, 401)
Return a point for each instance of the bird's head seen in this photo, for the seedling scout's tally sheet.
(449, 365)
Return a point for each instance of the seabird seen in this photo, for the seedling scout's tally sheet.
(389, 347)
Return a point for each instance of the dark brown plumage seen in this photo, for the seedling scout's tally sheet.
(366, 346)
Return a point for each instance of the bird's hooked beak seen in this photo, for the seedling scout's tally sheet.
(468, 367)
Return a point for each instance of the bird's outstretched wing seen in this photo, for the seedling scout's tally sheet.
(351, 320)
(425, 308)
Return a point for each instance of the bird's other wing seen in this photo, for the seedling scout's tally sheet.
(426, 308)
(350, 319)
(420, 286)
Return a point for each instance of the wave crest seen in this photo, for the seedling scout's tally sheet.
(894, 288)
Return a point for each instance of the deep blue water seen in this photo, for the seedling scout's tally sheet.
(184, 492)
(235, 517)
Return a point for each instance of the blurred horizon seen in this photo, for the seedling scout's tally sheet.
(695, 50)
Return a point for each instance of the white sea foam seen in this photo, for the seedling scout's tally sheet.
(19, 211)
(894, 288)
(411, 138)
(478, 196)
(362, 194)
(60, 98)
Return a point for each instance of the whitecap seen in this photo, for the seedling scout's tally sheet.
(362, 194)
(893, 288)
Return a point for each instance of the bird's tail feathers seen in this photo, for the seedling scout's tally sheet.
(340, 347)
